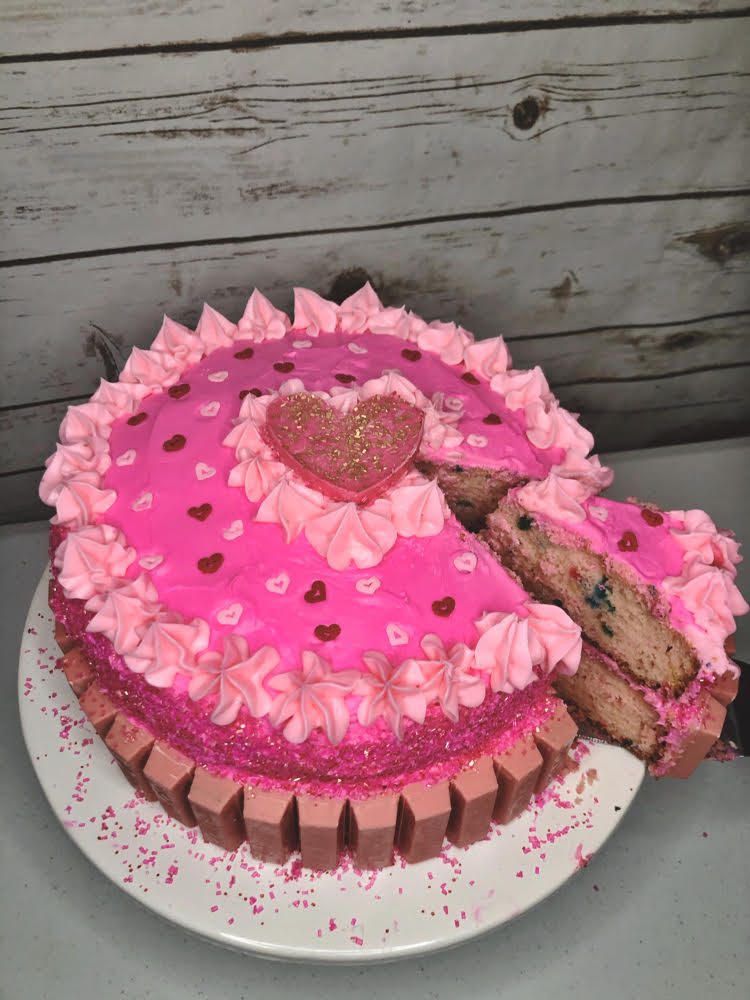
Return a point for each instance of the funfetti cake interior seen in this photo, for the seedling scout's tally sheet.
(654, 593)
(266, 606)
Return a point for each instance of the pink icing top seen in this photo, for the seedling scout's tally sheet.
(215, 569)
(681, 553)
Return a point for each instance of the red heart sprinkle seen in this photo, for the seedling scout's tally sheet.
(345, 379)
(284, 367)
(444, 608)
(200, 513)
(256, 392)
(470, 378)
(210, 564)
(175, 443)
(316, 593)
(245, 355)
(178, 391)
(352, 458)
(652, 517)
(138, 418)
(411, 355)
(244, 392)
(628, 542)
(492, 418)
(327, 633)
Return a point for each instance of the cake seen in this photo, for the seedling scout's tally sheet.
(655, 595)
(269, 596)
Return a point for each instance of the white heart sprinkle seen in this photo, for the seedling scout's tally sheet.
(356, 348)
(203, 471)
(391, 371)
(235, 529)
(600, 513)
(127, 457)
(465, 562)
(477, 440)
(396, 635)
(453, 403)
(230, 615)
(210, 409)
(143, 502)
(278, 584)
(151, 562)
(368, 585)
(218, 376)
(301, 344)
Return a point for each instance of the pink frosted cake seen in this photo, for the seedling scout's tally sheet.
(271, 614)
(269, 611)
(654, 594)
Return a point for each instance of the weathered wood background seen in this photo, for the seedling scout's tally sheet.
(566, 172)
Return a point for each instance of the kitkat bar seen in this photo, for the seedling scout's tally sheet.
(472, 793)
(553, 738)
(517, 771)
(62, 638)
(724, 688)
(217, 806)
(703, 731)
(372, 830)
(170, 774)
(422, 821)
(99, 708)
(321, 831)
(270, 823)
(130, 745)
(77, 669)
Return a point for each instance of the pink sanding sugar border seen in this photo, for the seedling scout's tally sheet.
(364, 764)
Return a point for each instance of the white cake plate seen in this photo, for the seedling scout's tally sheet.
(284, 912)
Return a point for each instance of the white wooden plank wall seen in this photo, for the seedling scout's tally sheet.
(568, 173)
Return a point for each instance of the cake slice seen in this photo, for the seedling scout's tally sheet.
(654, 594)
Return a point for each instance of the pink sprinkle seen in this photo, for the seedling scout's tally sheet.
(357, 940)
(705, 834)
(332, 924)
(320, 932)
(519, 874)
(353, 921)
(214, 909)
(445, 910)
(595, 888)
(581, 858)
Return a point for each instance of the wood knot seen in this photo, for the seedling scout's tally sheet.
(721, 243)
(526, 113)
(347, 283)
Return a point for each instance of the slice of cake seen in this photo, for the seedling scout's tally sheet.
(654, 594)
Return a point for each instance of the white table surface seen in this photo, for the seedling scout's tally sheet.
(669, 917)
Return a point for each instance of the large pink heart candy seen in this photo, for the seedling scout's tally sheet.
(353, 457)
